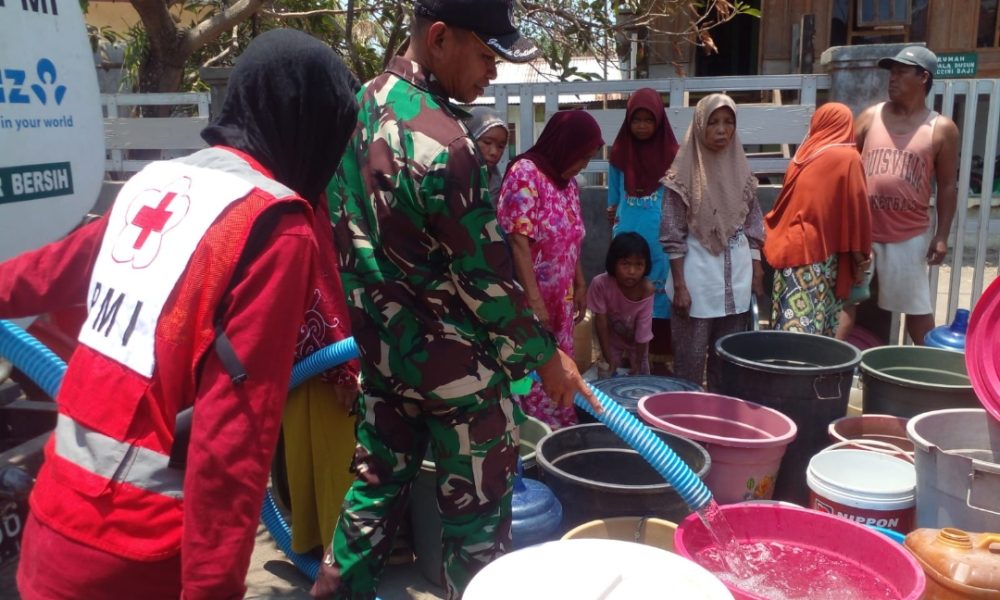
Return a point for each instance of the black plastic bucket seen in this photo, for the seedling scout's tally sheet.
(807, 377)
(595, 475)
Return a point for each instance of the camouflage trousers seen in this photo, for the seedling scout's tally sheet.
(475, 453)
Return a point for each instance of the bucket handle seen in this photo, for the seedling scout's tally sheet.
(640, 529)
(875, 446)
(984, 488)
(987, 540)
(816, 386)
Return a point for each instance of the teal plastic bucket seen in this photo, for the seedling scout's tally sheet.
(906, 381)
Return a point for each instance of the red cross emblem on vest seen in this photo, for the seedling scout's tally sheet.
(150, 219)
(150, 215)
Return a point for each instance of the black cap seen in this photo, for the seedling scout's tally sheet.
(491, 20)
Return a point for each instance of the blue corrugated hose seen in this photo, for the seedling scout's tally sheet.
(305, 369)
(29, 355)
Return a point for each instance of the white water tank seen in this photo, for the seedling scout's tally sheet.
(51, 126)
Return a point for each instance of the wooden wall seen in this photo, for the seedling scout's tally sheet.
(777, 19)
(951, 25)
(670, 56)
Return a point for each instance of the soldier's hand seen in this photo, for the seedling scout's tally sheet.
(561, 381)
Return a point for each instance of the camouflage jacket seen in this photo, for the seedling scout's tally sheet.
(429, 279)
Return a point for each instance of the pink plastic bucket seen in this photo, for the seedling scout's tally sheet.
(745, 440)
(868, 553)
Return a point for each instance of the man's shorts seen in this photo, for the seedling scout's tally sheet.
(901, 268)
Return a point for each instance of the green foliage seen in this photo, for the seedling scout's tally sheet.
(136, 48)
(367, 32)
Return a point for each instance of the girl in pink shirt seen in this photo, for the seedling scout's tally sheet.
(622, 302)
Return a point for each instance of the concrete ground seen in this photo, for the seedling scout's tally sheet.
(272, 575)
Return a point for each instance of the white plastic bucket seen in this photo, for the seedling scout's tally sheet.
(866, 487)
(594, 568)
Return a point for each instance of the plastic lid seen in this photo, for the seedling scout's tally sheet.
(982, 353)
(627, 391)
(960, 324)
(594, 568)
(950, 337)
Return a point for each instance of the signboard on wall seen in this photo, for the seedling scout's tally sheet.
(51, 127)
(957, 65)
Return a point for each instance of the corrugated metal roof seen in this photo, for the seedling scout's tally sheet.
(539, 71)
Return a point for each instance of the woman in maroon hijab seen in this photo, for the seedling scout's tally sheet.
(539, 208)
(640, 156)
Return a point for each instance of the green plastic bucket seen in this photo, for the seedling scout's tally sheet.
(906, 381)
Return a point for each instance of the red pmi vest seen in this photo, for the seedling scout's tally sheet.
(106, 480)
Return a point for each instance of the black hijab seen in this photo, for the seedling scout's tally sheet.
(290, 105)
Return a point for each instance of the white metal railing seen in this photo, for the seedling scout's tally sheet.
(759, 124)
(124, 134)
(960, 100)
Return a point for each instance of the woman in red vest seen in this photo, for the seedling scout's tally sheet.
(208, 276)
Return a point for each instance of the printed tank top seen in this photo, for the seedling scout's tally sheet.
(898, 170)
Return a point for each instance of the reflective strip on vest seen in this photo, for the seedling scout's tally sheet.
(117, 461)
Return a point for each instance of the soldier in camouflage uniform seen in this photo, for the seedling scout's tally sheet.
(441, 325)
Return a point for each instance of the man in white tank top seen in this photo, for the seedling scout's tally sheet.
(903, 145)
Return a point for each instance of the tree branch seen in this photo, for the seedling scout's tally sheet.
(219, 56)
(395, 38)
(159, 24)
(209, 30)
(308, 13)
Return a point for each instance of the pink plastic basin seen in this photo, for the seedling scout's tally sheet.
(982, 354)
(868, 553)
(745, 440)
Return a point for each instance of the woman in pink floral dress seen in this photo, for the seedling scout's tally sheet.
(539, 208)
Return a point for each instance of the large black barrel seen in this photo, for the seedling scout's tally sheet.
(807, 377)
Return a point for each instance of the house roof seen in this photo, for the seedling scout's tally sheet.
(539, 71)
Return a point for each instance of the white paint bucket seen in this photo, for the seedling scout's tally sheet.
(870, 488)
